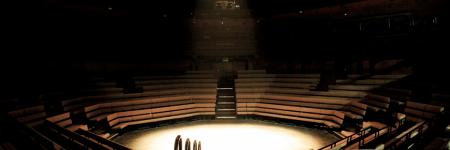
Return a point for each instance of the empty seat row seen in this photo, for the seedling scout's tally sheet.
(330, 118)
(330, 93)
(275, 84)
(174, 81)
(365, 81)
(64, 120)
(99, 111)
(352, 108)
(377, 103)
(254, 75)
(31, 116)
(356, 110)
(78, 103)
(396, 76)
(251, 71)
(180, 85)
(120, 120)
(418, 112)
(187, 76)
(282, 80)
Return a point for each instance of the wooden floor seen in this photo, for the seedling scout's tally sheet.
(226, 135)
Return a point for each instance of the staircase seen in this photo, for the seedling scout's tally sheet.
(226, 98)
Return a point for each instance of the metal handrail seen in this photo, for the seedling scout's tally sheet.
(405, 136)
(348, 138)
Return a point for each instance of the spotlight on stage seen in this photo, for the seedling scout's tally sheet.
(236, 135)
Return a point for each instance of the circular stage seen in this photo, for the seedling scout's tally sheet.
(230, 134)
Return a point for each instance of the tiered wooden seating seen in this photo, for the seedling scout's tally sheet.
(251, 71)
(64, 121)
(369, 81)
(99, 111)
(253, 89)
(97, 89)
(120, 120)
(299, 84)
(322, 111)
(356, 110)
(422, 115)
(377, 103)
(331, 93)
(418, 112)
(32, 116)
(70, 139)
(153, 86)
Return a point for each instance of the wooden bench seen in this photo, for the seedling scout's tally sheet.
(356, 76)
(251, 71)
(254, 75)
(330, 118)
(331, 93)
(282, 80)
(187, 76)
(301, 107)
(418, 112)
(99, 111)
(377, 103)
(79, 103)
(352, 87)
(64, 120)
(31, 116)
(365, 81)
(274, 84)
(356, 110)
(120, 120)
(180, 85)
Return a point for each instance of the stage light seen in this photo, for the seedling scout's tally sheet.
(230, 135)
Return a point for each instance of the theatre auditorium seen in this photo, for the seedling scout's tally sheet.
(225, 75)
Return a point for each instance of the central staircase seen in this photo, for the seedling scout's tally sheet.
(226, 98)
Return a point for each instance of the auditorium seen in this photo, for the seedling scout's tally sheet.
(225, 75)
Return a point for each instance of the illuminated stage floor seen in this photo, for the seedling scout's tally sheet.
(229, 135)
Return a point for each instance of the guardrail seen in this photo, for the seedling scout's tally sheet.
(405, 136)
(348, 139)
(33, 135)
(101, 140)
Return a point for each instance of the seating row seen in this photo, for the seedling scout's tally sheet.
(330, 118)
(120, 120)
(330, 93)
(248, 103)
(99, 111)
(31, 116)
(418, 112)
(78, 103)
(64, 120)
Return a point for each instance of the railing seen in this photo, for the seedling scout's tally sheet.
(74, 138)
(405, 136)
(381, 132)
(347, 139)
(178, 145)
(101, 140)
(33, 135)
